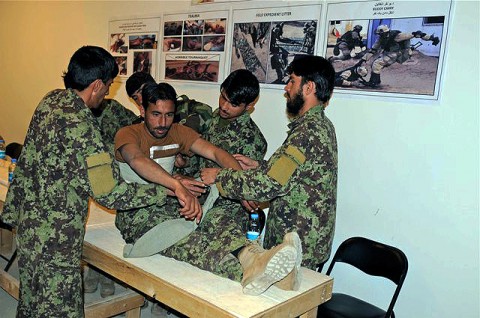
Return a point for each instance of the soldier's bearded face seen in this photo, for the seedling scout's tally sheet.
(295, 103)
(159, 117)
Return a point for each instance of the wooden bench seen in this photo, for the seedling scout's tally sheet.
(192, 291)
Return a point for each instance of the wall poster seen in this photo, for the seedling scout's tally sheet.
(265, 40)
(133, 43)
(389, 48)
(193, 46)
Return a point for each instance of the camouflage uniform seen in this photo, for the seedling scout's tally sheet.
(113, 117)
(64, 162)
(223, 229)
(300, 179)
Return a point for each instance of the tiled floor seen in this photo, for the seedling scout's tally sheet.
(9, 304)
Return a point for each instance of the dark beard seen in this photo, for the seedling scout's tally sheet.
(294, 105)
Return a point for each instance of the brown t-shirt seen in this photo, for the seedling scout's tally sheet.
(179, 139)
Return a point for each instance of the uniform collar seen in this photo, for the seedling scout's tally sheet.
(316, 111)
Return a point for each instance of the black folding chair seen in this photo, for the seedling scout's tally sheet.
(373, 258)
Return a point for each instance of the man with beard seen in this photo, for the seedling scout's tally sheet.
(300, 178)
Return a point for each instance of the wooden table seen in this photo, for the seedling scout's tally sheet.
(192, 291)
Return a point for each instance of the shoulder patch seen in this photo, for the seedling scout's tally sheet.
(285, 166)
(100, 174)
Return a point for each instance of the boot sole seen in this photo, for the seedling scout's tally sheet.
(279, 266)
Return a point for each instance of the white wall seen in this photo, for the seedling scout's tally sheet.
(408, 172)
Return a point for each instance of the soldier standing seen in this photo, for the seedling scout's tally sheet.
(64, 162)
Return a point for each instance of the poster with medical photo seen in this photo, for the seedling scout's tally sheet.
(387, 48)
(193, 46)
(133, 43)
(266, 40)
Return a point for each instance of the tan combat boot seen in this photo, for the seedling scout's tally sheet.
(292, 280)
(262, 268)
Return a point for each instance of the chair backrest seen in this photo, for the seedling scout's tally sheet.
(375, 259)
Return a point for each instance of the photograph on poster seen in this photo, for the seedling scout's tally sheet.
(133, 44)
(190, 39)
(172, 44)
(122, 64)
(173, 28)
(142, 61)
(192, 70)
(117, 43)
(143, 41)
(193, 27)
(388, 53)
(265, 41)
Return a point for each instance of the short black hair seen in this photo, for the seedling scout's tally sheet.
(136, 80)
(316, 69)
(152, 92)
(241, 86)
(88, 64)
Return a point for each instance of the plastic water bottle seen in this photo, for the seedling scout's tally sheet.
(2, 148)
(253, 228)
(11, 168)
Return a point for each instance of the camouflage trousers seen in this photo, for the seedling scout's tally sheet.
(134, 223)
(48, 289)
(221, 232)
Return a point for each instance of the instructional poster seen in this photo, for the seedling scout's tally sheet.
(133, 43)
(390, 48)
(193, 46)
(266, 40)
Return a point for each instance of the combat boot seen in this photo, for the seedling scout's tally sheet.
(292, 280)
(90, 280)
(374, 80)
(262, 268)
(107, 287)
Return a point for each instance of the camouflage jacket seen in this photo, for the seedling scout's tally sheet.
(64, 162)
(241, 136)
(113, 116)
(300, 180)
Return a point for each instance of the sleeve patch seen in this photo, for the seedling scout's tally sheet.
(296, 154)
(100, 173)
(285, 166)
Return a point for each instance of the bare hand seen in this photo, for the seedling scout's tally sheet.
(245, 162)
(191, 208)
(209, 175)
(197, 188)
(250, 205)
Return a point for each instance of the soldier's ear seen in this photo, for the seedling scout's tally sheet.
(97, 85)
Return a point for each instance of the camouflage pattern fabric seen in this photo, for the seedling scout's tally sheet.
(113, 117)
(300, 180)
(193, 114)
(64, 162)
(223, 229)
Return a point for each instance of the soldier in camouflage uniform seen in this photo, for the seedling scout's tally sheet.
(111, 116)
(64, 162)
(223, 230)
(300, 178)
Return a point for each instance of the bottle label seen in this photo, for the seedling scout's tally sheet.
(252, 236)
